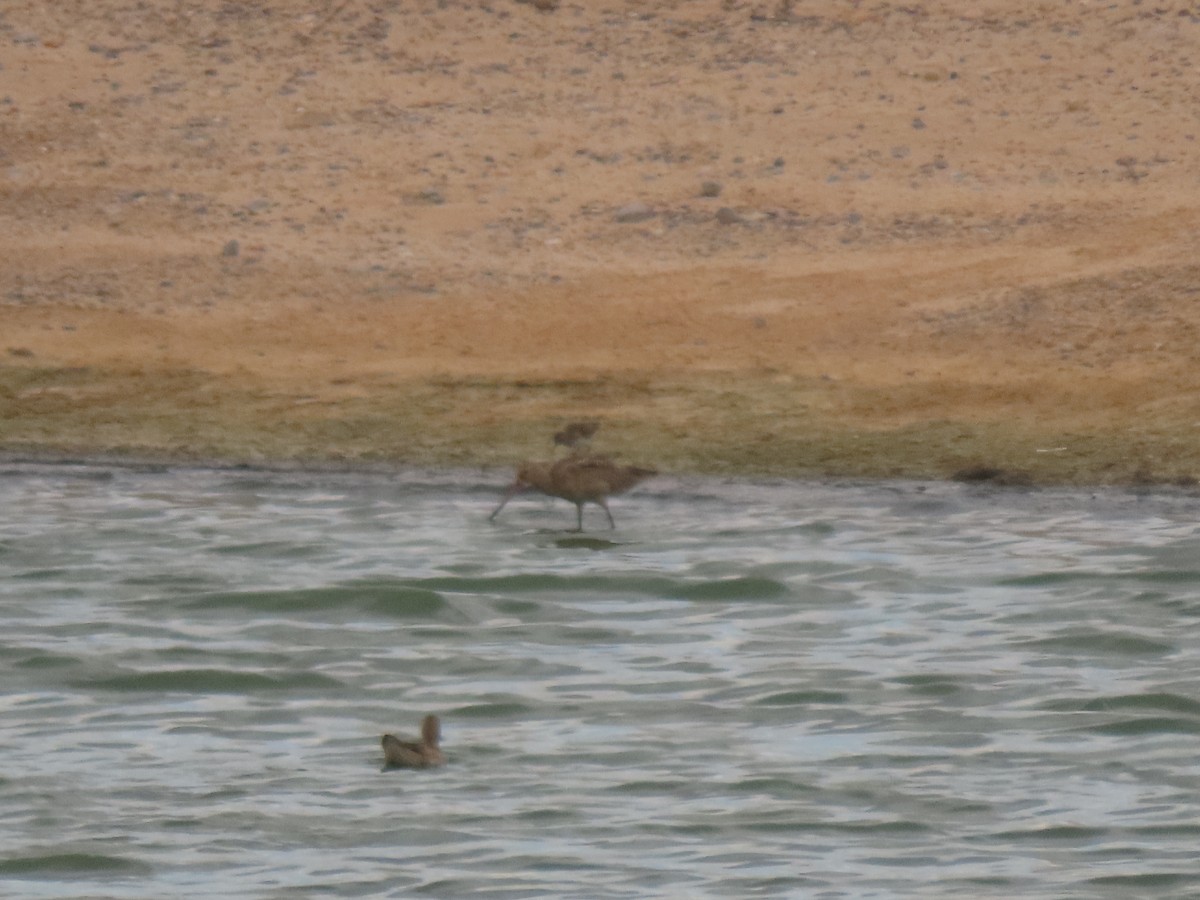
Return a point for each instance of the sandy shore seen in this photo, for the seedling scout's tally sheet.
(793, 238)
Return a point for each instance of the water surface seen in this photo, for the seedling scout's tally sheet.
(747, 689)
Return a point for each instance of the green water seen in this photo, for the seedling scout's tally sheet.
(747, 689)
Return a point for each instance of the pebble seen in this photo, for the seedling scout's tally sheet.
(634, 212)
(232, 248)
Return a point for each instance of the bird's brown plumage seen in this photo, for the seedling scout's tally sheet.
(415, 754)
(579, 479)
(576, 433)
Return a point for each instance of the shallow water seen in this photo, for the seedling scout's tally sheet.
(809, 690)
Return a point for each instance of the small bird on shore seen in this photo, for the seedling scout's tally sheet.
(415, 754)
(578, 479)
(576, 433)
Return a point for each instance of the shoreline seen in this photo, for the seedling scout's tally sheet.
(979, 475)
(997, 482)
(850, 243)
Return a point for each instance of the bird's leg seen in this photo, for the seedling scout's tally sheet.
(579, 516)
(601, 503)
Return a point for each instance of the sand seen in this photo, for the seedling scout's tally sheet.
(810, 238)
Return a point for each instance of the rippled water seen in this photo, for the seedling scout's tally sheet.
(781, 689)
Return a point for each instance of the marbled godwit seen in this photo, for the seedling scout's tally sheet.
(579, 479)
(575, 433)
(415, 754)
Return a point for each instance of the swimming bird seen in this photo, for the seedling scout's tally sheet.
(579, 479)
(576, 433)
(415, 754)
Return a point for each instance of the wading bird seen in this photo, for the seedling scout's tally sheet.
(576, 433)
(579, 479)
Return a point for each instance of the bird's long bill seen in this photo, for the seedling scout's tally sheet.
(513, 489)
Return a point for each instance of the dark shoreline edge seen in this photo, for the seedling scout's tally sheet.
(972, 478)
